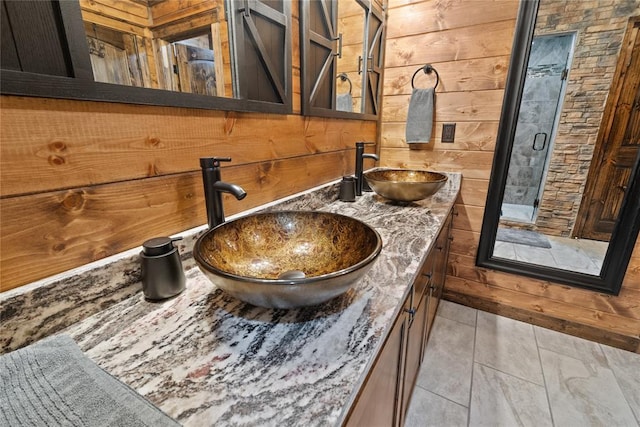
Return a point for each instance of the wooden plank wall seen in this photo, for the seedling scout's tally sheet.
(469, 43)
(80, 181)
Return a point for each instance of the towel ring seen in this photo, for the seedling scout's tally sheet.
(427, 70)
(345, 78)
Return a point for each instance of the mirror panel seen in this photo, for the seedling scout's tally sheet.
(351, 29)
(189, 56)
(159, 46)
(340, 41)
(563, 197)
(374, 60)
(322, 49)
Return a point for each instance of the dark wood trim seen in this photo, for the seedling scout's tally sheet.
(626, 230)
(76, 39)
(43, 86)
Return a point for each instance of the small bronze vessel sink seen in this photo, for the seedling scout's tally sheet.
(287, 259)
(405, 185)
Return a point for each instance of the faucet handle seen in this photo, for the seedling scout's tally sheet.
(213, 162)
(217, 160)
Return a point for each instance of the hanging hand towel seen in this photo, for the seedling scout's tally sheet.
(344, 102)
(420, 115)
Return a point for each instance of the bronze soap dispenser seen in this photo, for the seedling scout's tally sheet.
(162, 273)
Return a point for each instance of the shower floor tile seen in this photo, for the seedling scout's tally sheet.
(521, 213)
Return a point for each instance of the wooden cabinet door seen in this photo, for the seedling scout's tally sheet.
(378, 403)
(415, 337)
(31, 38)
(424, 277)
(374, 62)
(617, 147)
(196, 69)
(441, 258)
(320, 24)
(262, 49)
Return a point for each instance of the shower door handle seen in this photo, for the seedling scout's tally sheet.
(535, 140)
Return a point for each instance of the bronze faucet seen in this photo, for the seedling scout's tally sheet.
(361, 185)
(214, 187)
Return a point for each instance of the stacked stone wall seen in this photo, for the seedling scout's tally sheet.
(600, 26)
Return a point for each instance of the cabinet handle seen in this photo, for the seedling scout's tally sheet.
(412, 314)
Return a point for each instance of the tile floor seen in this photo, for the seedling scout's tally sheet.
(522, 213)
(484, 369)
(568, 254)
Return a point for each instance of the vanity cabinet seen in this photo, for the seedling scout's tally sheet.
(379, 399)
(385, 396)
(415, 348)
(438, 274)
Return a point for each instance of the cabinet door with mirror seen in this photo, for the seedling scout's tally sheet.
(342, 45)
(233, 54)
(564, 196)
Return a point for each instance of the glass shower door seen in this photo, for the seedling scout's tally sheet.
(540, 107)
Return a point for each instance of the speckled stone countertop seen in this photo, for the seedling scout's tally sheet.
(205, 358)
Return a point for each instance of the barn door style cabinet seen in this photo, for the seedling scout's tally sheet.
(385, 396)
(342, 52)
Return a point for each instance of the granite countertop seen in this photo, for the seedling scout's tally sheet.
(205, 358)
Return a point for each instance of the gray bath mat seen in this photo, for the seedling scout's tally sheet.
(53, 383)
(523, 237)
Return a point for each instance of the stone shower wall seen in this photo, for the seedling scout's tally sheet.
(600, 26)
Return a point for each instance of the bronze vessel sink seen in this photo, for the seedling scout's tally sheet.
(405, 185)
(287, 259)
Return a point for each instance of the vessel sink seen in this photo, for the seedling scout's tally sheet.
(404, 185)
(287, 259)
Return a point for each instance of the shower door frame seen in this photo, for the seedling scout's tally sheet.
(556, 119)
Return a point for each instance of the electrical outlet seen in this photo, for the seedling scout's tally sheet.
(448, 132)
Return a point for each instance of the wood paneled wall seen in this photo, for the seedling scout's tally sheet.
(80, 180)
(469, 43)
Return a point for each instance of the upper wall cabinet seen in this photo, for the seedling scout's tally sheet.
(213, 54)
(342, 46)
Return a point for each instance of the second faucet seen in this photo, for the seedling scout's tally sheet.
(361, 185)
